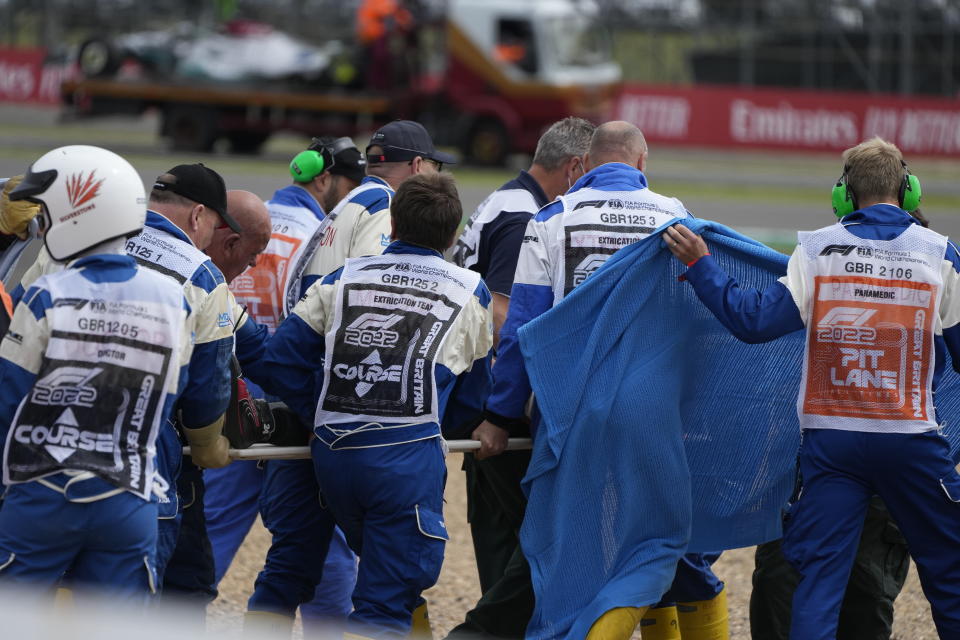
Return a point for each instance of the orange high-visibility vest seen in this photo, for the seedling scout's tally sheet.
(6, 315)
(372, 17)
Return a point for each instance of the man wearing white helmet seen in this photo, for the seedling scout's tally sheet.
(186, 206)
(89, 371)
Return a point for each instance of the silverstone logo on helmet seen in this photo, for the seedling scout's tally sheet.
(373, 330)
(80, 191)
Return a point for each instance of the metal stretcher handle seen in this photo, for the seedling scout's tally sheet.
(271, 452)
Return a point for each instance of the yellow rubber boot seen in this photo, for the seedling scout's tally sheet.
(421, 624)
(660, 624)
(706, 619)
(264, 624)
(616, 624)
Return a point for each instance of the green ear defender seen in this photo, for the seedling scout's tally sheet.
(307, 165)
(910, 192)
(844, 200)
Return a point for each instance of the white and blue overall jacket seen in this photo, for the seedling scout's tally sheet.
(351, 358)
(608, 208)
(490, 243)
(358, 226)
(110, 343)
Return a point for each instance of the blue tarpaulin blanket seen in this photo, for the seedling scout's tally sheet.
(661, 433)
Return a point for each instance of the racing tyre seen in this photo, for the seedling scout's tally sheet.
(97, 58)
(487, 143)
(190, 128)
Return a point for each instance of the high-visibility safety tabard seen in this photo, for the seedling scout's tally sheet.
(393, 313)
(875, 306)
(271, 289)
(112, 357)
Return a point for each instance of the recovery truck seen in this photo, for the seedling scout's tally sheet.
(488, 77)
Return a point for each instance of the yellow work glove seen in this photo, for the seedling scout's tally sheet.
(15, 215)
(209, 448)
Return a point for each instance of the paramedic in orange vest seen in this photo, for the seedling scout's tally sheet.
(876, 294)
(284, 492)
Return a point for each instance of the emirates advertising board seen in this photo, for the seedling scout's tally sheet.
(711, 116)
(790, 119)
(26, 76)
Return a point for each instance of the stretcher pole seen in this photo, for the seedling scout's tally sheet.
(271, 452)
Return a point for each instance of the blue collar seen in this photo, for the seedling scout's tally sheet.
(613, 176)
(105, 260)
(157, 221)
(296, 196)
(399, 246)
(529, 183)
(377, 180)
(882, 214)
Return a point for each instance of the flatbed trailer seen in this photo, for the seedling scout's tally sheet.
(495, 76)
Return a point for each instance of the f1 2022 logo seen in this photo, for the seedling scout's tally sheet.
(373, 330)
(66, 386)
(587, 266)
(847, 325)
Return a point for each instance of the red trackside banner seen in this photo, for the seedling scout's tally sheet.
(25, 76)
(790, 119)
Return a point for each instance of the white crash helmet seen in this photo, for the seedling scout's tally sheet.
(89, 195)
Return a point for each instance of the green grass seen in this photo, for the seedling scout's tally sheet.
(78, 133)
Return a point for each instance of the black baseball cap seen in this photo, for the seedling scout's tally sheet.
(350, 164)
(201, 184)
(405, 140)
(347, 160)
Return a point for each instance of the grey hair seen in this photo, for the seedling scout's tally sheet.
(563, 140)
(161, 196)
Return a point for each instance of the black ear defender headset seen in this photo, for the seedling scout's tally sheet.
(320, 156)
(845, 200)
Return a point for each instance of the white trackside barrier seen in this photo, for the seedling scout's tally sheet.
(271, 452)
